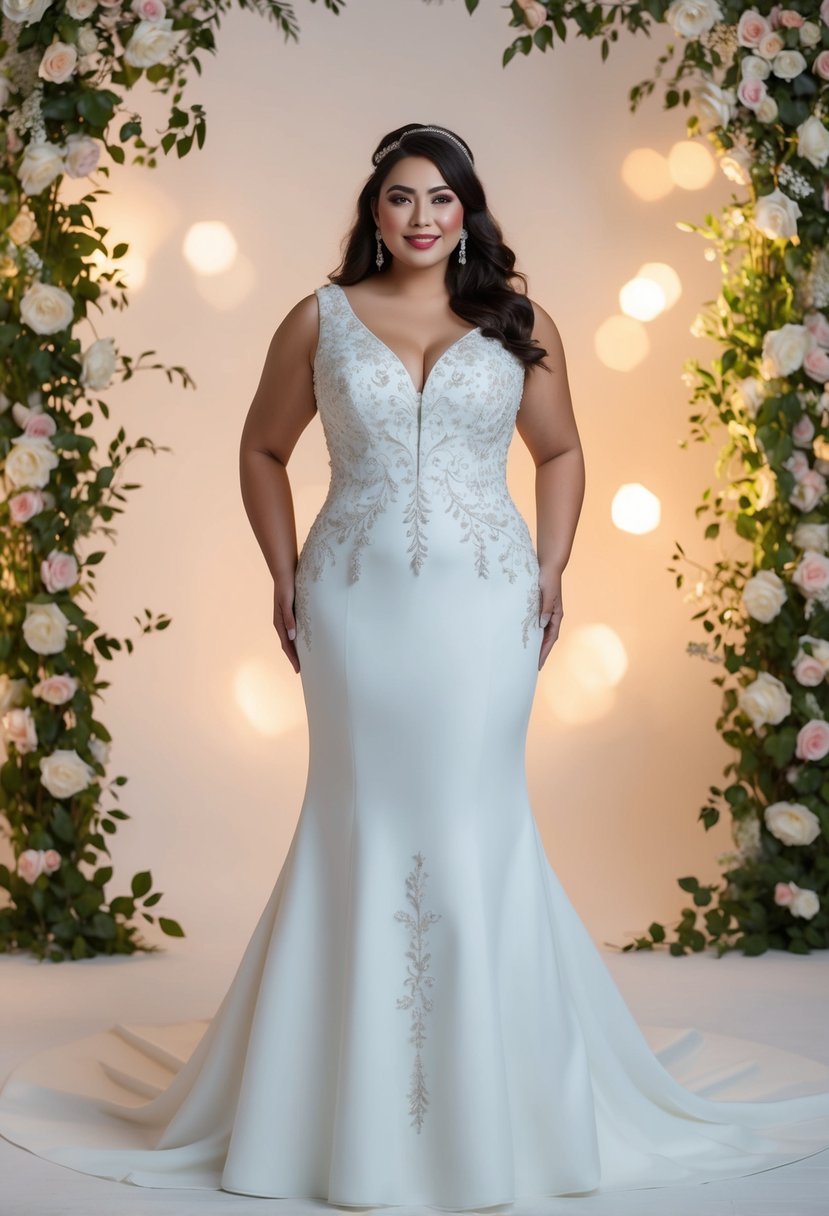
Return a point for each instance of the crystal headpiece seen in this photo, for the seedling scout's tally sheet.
(378, 156)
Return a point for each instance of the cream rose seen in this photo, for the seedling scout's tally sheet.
(813, 141)
(20, 729)
(776, 215)
(788, 64)
(766, 700)
(754, 66)
(764, 595)
(770, 45)
(64, 773)
(11, 692)
(151, 43)
(792, 823)
(98, 364)
(81, 9)
(690, 18)
(100, 749)
(82, 155)
(45, 628)
(46, 309)
(41, 163)
(57, 690)
(23, 227)
(812, 536)
(767, 110)
(30, 864)
(23, 507)
(813, 740)
(810, 34)
(30, 462)
(25, 12)
(751, 394)
(784, 350)
(59, 571)
(59, 62)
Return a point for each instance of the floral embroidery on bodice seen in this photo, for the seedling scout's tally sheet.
(441, 449)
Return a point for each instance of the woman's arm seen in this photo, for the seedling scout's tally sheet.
(547, 425)
(282, 407)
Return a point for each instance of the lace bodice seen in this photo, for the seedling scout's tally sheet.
(430, 464)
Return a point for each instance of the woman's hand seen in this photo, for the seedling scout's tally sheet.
(284, 619)
(552, 611)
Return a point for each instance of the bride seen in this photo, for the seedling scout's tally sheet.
(420, 1016)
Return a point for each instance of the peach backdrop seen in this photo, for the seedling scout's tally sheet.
(290, 131)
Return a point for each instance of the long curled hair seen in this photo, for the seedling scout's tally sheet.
(481, 291)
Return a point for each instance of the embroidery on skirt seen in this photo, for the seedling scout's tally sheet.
(417, 981)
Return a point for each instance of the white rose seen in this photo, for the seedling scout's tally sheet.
(813, 141)
(45, 628)
(151, 42)
(81, 9)
(82, 154)
(23, 227)
(11, 692)
(87, 41)
(100, 749)
(812, 536)
(766, 700)
(805, 902)
(792, 823)
(64, 773)
(690, 18)
(809, 490)
(754, 66)
(42, 162)
(713, 106)
(751, 394)
(767, 112)
(736, 165)
(783, 350)
(788, 64)
(775, 214)
(764, 595)
(30, 462)
(25, 12)
(809, 34)
(58, 63)
(99, 364)
(46, 309)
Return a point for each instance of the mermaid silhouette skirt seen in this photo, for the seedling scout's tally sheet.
(420, 1016)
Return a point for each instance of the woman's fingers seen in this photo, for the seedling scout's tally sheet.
(285, 622)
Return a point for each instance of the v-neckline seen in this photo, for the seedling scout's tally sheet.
(418, 392)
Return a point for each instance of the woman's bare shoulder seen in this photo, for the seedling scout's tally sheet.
(300, 325)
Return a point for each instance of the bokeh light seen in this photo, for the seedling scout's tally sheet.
(635, 509)
(585, 666)
(621, 343)
(691, 165)
(647, 174)
(209, 247)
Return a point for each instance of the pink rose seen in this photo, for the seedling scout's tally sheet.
(51, 861)
(813, 740)
(751, 28)
(803, 431)
(783, 894)
(42, 426)
(824, 11)
(149, 10)
(812, 573)
(798, 465)
(26, 504)
(30, 864)
(19, 726)
(808, 671)
(59, 571)
(809, 490)
(818, 327)
(821, 65)
(751, 91)
(816, 364)
(57, 690)
(790, 20)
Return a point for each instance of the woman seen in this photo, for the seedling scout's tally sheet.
(420, 1016)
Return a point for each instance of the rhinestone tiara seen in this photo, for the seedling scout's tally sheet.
(378, 156)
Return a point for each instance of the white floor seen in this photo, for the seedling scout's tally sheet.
(777, 999)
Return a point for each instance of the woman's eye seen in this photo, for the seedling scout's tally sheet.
(439, 198)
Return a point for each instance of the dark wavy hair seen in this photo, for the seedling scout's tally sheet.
(481, 291)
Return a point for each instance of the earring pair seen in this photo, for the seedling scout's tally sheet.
(461, 248)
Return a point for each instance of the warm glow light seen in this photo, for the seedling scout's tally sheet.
(635, 509)
(642, 299)
(226, 290)
(131, 270)
(621, 343)
(691, 165)
(209, 246)
(647, 173)
(585, 667)
(265, 696)
(665, 276)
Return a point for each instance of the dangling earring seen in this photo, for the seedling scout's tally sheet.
(462, 247)
(379, 258)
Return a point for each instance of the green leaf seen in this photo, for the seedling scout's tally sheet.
(171, 927)
(141, 883)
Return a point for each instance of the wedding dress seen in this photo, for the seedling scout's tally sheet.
(420, 1016)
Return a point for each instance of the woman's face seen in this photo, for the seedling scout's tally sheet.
(414, 200)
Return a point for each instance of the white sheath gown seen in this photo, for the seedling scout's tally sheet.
(420, 1016)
